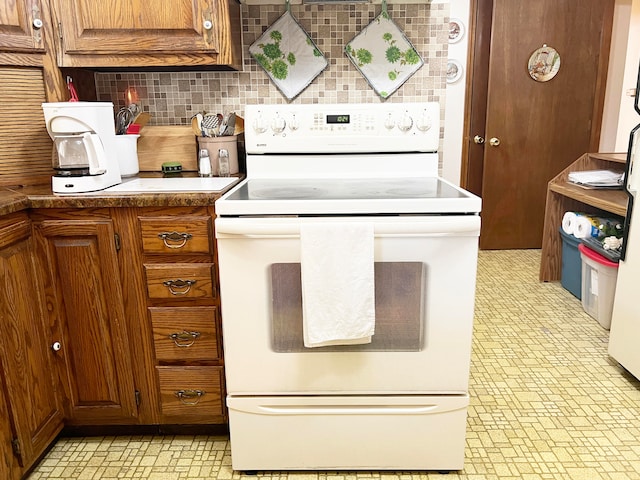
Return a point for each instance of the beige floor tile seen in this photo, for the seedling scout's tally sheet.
(546, 402)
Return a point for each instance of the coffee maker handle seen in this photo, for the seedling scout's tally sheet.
(95, 152)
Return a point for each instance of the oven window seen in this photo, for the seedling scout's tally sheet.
(399, 302)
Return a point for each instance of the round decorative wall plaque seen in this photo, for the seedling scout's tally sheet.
(544, 64)
(456, 30)
(454, 71)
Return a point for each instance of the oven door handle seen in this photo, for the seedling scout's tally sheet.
(462, 225)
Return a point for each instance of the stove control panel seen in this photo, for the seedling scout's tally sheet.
(342, 128)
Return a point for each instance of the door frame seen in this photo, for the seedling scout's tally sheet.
(475, 104)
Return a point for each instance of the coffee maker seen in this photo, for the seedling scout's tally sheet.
(85, 157)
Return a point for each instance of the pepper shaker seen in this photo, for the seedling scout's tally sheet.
(223, 162)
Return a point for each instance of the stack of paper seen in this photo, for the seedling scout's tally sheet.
(597, 178)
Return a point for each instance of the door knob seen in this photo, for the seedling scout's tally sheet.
(478, 139)
(494, 142)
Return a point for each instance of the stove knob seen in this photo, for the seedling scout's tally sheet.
(424, 122)
(278, 124)
(259, 125)
(389, 122)
(293, 123)
(406, 122)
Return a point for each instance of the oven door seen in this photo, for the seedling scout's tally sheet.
(425, 273)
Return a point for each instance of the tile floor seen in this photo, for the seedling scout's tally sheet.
(546, 401)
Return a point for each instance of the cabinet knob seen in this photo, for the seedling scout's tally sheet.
(478, 139)
(494, 142)
(207, 24)
(56, 347)
(37, 23)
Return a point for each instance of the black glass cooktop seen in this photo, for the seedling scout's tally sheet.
(346, 189)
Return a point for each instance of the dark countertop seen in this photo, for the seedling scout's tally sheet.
(11, 202)
(14, 199)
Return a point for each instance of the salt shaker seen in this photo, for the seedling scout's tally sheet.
(204, 163)
(223, 162)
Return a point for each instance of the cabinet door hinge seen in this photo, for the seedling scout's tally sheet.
(137, 398)
(116, 239)
(60, 30)
(15, 443)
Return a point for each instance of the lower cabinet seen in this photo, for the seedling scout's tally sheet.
(131, 313)
(78, 250)
(9, 467)
(181, 283)
(30, 417)
(188, 356)
(107, 317)
(191, 394)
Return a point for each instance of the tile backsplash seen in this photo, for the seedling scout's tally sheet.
(173, 98)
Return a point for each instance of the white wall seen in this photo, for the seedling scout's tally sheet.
(454, 108)
(619, 116)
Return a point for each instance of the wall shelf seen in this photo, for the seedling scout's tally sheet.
(563, 196)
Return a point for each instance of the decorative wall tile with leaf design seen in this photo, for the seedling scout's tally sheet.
(383, 55)
(288, 55)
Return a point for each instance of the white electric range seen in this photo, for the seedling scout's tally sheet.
(396, 400)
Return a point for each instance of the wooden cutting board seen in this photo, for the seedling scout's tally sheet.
(174, 143)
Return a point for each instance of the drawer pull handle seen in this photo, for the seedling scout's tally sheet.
(174, 239)
(179, 286)
(184, 338)
(190, 397)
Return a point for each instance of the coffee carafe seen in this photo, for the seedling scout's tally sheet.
(84, 157)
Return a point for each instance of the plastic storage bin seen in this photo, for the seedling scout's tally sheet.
(571, 275)
(599, 276)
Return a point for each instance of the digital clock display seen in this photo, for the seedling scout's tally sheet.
(338, 119)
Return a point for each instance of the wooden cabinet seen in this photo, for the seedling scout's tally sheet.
(155, 33)
(9, 468)
(30, 417)
(79, 250)
(133, 302)
(21, 27)
(28, 77)
(563, 196)
(27, 39)
(182, 300)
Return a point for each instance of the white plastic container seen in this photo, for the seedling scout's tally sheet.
(599, 276)
(127, 151)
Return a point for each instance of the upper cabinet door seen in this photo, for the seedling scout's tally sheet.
(21, 25)
(151, 33)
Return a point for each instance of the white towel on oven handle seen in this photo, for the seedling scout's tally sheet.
(338, 290)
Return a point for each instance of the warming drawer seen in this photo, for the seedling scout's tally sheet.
(348, 432)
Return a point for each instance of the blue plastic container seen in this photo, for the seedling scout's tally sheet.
(571, 277)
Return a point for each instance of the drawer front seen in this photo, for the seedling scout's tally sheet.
(191, 393)
(191, 235)
(185, 334)
(180, 281)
